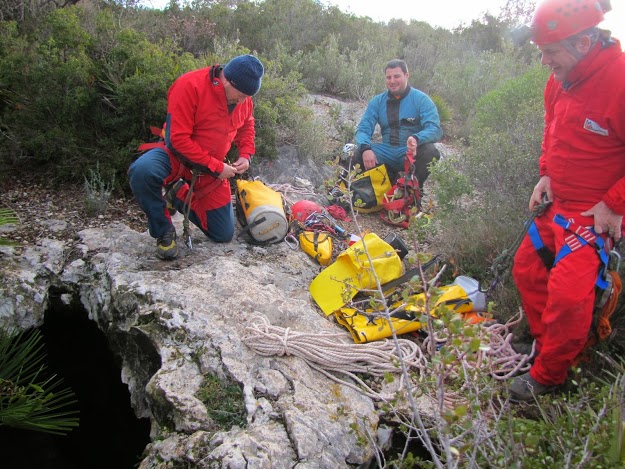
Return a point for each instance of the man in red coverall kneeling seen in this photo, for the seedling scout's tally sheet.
(207, 111)
(582, 172)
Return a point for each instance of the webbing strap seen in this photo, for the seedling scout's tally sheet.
(408, 163)
(581, 236)
(543, 251)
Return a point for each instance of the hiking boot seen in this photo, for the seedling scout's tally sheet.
(524, 388)
(166, 247)
(170, 195)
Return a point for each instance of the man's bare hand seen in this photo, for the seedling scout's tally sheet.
(543, 187)
(411, 144)
(241, 165)
(369, 159)
(228, 172)
(606, 221)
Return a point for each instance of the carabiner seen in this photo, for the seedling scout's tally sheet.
(291, 241)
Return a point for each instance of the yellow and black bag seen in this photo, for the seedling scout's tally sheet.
(354, 271)
(260, 211)
(463, 296)
(368, 189)
(317, 245)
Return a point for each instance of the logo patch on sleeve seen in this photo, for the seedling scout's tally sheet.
(592, 126)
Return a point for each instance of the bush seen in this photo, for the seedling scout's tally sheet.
(483, 193)
(463, 76)
(97, 191)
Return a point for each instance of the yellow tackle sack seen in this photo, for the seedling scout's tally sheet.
(368, 189)
(352, 271)
(463, 296)
(317, 245)
(260, 211)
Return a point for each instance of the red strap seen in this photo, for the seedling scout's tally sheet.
(150, 146)
(408, 162)
(573, 241)
(158, 131)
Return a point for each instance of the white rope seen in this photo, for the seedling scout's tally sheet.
(504, 361)
(331, 355)
(328, 353)
(287, 189)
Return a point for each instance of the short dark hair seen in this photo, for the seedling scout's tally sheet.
(397, 63)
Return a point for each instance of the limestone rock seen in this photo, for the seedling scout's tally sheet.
(174, 322)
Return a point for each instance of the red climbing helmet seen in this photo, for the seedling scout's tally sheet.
(555, 20)
(301, 210)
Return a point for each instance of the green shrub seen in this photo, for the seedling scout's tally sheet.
(483, 192)
(28, 399)
(444, 111)
(98, 191)
(462, 76)
(7, 217)
(356, 74)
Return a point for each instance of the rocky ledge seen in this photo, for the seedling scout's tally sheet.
(174, 323)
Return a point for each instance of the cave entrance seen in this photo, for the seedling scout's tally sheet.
(109, 434)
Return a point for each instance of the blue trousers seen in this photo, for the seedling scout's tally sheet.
(147, 175)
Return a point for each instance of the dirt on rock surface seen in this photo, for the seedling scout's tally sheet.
(60, 213)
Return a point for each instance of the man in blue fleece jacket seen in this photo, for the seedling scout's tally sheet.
(409, 122)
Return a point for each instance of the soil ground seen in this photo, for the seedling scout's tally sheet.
(60, 212)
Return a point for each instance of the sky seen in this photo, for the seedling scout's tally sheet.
(451, 13)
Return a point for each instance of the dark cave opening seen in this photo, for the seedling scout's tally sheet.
(109, 434)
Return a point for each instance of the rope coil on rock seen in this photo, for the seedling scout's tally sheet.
(328, 353)
(331, 355)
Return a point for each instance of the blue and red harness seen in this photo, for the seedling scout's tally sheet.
(608, 281)
(579, 236)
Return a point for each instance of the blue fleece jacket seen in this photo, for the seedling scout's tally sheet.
(414, 113)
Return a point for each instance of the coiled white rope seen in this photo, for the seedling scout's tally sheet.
(329, 353)
(496, 353)
(504, 361)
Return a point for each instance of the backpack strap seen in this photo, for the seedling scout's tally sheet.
(158, 132)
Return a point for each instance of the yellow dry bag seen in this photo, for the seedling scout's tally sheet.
(463, 296)
(368, 189)
(352, 271)
(261, 212)
(317, 245)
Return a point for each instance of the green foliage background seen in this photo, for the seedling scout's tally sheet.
(80, 85)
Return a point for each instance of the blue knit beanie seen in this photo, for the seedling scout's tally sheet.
(245, 73)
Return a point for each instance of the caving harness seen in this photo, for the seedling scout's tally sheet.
(608, 283)
(176, 183)
(403, 200)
